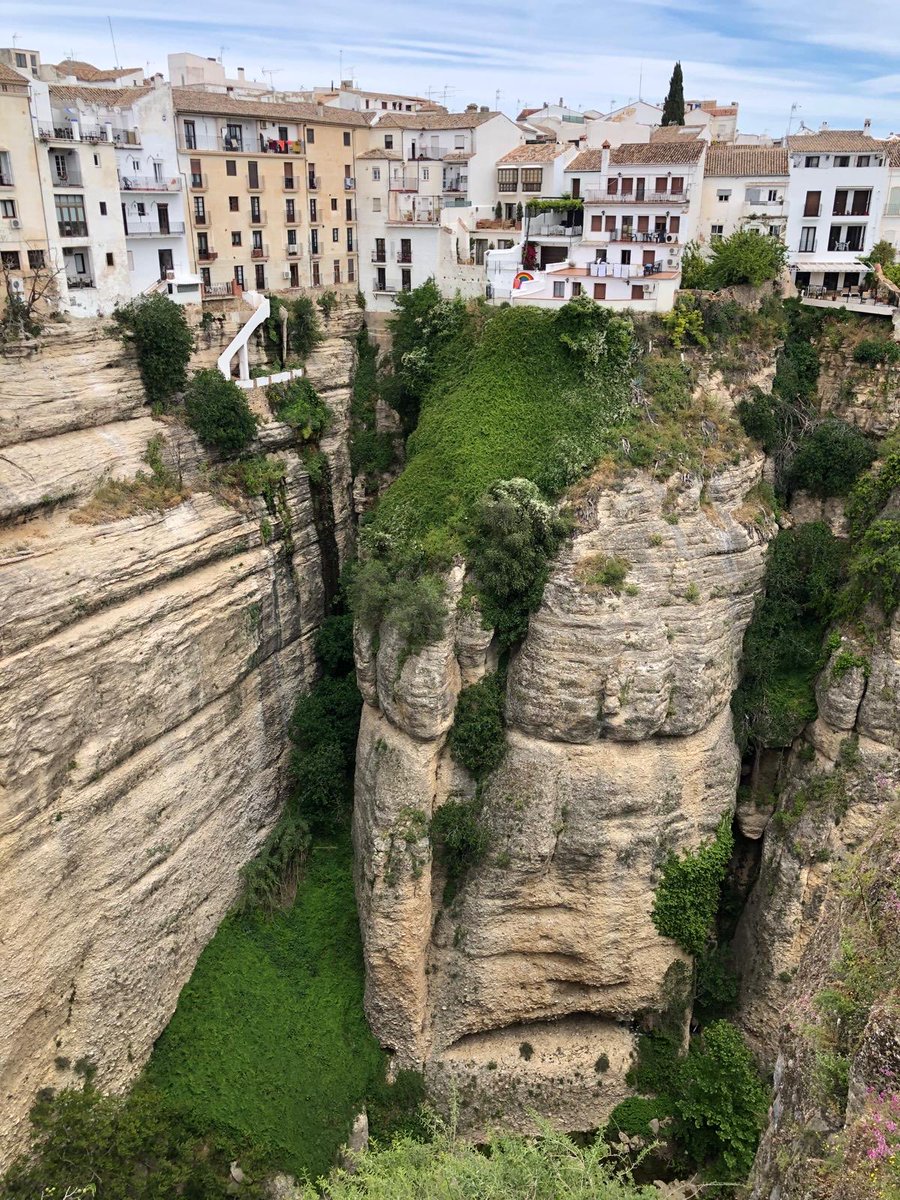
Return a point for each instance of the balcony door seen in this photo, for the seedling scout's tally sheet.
(163, 211)
(166, 262)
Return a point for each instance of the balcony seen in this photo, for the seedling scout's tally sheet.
(206, 256)
(220, 291)
(400, 182)
(379, 256)
(844, 247)
(199, 182)
(147, 183)
(431, 153)
(259, 252)
(404, 256)
(550, 229)
(312, 182)
(289, 184)
(67, 179)
(349, 183)
(657, 237)
(597, 196)
(258, 218)
(850, 212)
(388, 288)
(73, 229)
(293, 250)
(270, 145)
(202, 220)
(258, 185)
(149, 229)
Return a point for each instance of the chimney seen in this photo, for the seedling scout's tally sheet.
(823, 127)
(867, 125)
(484, 108)
(471, 108)
(604, 158)
(560, 102)
(240, 72)
(346, 83)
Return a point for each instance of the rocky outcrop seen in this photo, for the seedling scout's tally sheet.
(620, 749)
(866, 396)
(149, 668)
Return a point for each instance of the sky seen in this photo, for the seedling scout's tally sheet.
(836, 61)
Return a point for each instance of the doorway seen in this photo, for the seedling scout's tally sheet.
(166, 262)
(163, 211)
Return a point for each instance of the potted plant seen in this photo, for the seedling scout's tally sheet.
(498, 211)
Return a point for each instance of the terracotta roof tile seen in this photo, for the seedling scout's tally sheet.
(657, 153)
(674, 133)
(534, 152)
(893, 150)
(587, 160)
(434, 120)
(8, 75)
(457, 156)
(194, 100)
(88, 73)
(108, 97)
(379, 153)
(830, 141)
(759, 161)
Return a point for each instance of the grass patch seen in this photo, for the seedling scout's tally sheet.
(269, 1042)
(153, 491)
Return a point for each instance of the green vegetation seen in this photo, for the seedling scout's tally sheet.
(603, 571)
(299, 405)
(633, 1117)
(875, 568)
(873, 490)
(477, 738)
(514, 535)
(135, 1147)
(783, 643)
(114, 499)
(394, 579)
(460, 839)
(876, 352)
(218, 412)
(268, 1043)
(673, 107)
(551, 1167)
(746, 257)
(687, 898)
(372, 453)
(830, 458)
(163, 342)
(302, 334)
(694, 267)
(685, 323)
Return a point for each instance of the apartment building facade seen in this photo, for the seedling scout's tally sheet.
(424, 182)
(272, 191)
(24, 232)
(744, 187)
(890, 217)
(838, 190)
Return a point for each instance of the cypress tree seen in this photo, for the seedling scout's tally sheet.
(673, 109)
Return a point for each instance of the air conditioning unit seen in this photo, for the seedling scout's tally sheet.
(16, 223)
(17, 286)
(285, 274)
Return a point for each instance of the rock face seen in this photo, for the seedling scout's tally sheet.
(149, 667)
(620, 749)
(838, 801)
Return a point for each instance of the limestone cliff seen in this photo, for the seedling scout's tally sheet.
(149, 666)
(620, 748)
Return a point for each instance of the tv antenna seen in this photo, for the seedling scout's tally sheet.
(112, 38)
(270, 72)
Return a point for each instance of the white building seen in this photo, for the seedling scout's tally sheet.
(208, 74)
(890, 218)
(744, 187)
(348, 95)
(720, 120)
(839, 180)
(422, 186)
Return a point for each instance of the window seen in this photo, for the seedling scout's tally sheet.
(716, 233)
(773, 197)
(807, 239)
(141, 208)
(507, 179)
(257, 242)
(313, 211)
(255, 210)
(893, 204)
(96, 160)
(612, 186)
(205, 276)
(190, 135)
(660, 184)
(102, 208)
(253, 174)
(310, 137)
(136, 166)
(196, 175)
(842, 160)
(239, 276)
(775, 231)
(292, 237)
(626, 258)
(376, 203)
(315, 275)
(337, 270)
(596, 224)
(346, 138)
(531, 179)
(314, 241)
(334, 203)
(202, 245)
(7, 208)
(199, 208)
(627, 187)
(234, 203)
(21, 60)
(235, 237)
(10, 259)
(425, 173)
(811, 160)
(234, 137)
(724, 194)
(289, 210)
(559, 289)
(388, 141)
(677, 185)
(351, 270)
(70, 215)
(36, 260)
(863, 160)
(231, 166)
(576, 290)
(459, 141)
(599, 291)
(260, 277)
(348, 210)
(406, 280)
(110, 261)
(813, 204)
(349, 239)
(335, 234)
(376, 174)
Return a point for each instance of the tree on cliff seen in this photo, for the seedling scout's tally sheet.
(673, 109)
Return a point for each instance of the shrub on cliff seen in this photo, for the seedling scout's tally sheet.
(460, 839)
(746, 257)
(687, 898)
(477, 738)
(299, 405)
(163, 342)
(830, 458)
(876, 351)
(218, 412)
